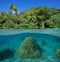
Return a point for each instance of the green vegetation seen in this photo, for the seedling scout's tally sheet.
(34, 18)
(29, 49)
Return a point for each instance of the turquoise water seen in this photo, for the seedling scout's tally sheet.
(48, 40)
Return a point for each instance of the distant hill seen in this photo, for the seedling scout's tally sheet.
(34, 18)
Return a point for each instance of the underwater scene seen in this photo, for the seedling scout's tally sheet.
(42, 45)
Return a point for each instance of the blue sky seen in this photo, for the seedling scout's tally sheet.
(26, 4)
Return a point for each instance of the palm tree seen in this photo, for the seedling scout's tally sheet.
(12, 9)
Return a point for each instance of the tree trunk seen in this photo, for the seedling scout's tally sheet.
(42, 25)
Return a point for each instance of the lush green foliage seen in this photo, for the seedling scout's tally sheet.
(34, 18)
(29, 49)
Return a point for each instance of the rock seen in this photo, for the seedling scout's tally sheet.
(29, 49)
(6, 54)
(58, 53)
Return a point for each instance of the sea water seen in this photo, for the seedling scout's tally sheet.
(47, 39)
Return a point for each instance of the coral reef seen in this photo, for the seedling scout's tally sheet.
(58, 53)
(6, 54)
(29, 49)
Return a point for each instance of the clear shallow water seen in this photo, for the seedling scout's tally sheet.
(48, 42)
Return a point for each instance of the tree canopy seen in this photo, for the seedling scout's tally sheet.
(34, 18)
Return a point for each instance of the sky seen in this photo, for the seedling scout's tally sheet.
(26, 4)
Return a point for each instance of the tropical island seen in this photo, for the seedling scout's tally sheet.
(34, 18)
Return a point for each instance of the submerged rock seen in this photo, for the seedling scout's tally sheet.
(29, 49)
(6, 54)
(58, 53)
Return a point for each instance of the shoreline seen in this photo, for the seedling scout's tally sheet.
(54, 31)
